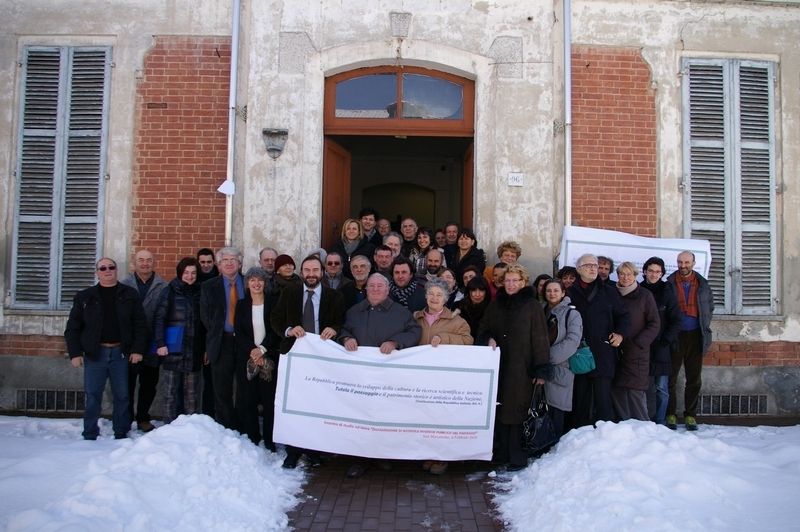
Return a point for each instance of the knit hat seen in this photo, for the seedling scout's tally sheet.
(283, 260)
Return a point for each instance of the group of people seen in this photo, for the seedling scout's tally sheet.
(213, 324)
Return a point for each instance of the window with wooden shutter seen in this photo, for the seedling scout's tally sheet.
(729, 178)
(60, 173)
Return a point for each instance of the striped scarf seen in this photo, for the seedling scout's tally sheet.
(688, 305)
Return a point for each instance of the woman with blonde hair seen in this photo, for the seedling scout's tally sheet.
(352, 243)
(515, 323)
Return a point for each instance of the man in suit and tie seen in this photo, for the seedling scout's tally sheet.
(218, 297)
(302, 309)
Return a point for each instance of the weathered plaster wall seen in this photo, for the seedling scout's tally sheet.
(506, 47)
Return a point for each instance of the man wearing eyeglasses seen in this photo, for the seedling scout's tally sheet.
(334, 275)
(605, 325)
(218, 299)
(106, 329)
(149, 284)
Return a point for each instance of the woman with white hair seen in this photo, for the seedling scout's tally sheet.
(440, 326)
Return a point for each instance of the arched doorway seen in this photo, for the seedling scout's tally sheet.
(391, 132)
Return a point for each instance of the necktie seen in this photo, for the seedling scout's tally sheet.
(308, 313)
(233, 296)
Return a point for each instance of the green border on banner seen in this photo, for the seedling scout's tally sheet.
(490, 373)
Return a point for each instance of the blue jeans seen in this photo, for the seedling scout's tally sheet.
(111, 364)
(662, 398)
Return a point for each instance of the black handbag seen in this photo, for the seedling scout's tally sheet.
(538, 431)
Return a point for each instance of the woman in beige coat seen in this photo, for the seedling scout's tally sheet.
(440, 325)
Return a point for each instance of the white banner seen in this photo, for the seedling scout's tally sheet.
(420, 403)
(621, 247)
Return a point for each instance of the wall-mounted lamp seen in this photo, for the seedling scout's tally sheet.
(275, 139)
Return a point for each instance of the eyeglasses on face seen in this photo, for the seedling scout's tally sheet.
(648, 270)
(104, 268)
(333, 263)
(589, 265)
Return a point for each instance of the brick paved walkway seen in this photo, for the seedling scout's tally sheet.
(406, 498)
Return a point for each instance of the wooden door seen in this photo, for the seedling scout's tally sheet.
(335, 192)
(467, 188)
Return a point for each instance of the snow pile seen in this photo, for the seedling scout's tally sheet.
(190, 475)
(642, 476)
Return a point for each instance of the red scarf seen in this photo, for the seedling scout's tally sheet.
(688, 305)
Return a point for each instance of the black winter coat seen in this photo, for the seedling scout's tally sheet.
(364, 248)
(602, 313)
(179, 305)
(633, 368)
(85, 322)
(474, 257)
(518, 325)
(669, 314)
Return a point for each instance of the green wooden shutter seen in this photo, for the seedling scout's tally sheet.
(60, 171)
(729, 173)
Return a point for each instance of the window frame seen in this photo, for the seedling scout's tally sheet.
(743, 271)
(78, 156)
(465, 127)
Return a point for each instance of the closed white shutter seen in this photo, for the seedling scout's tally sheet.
(61, 164)
(729, 176)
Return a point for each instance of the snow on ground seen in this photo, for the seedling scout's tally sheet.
(190, 475)
(642, 476)
(195, 475)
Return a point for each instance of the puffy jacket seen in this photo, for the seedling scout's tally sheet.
(558, 391)
(451, 328)
(179, 305)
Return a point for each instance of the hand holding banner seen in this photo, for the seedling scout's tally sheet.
(419, 403)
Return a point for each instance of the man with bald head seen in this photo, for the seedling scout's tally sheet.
(106, 331)
(377, 321)
(696, 305)
(408, 228)
(149, 285)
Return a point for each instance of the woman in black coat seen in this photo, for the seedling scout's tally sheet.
(179, 306)
(477, 297)
(515, 323)
(352, 243)
(629, 390)
(466, 255)
(257, 344)
(605, 325)
(670, 316)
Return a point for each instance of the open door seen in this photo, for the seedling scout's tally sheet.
(335, 192)
(467, 187)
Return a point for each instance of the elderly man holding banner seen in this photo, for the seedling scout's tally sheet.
(378, 322)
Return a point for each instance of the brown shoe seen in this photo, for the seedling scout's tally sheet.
(146, 426)
(438, 468)
(426, 465)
